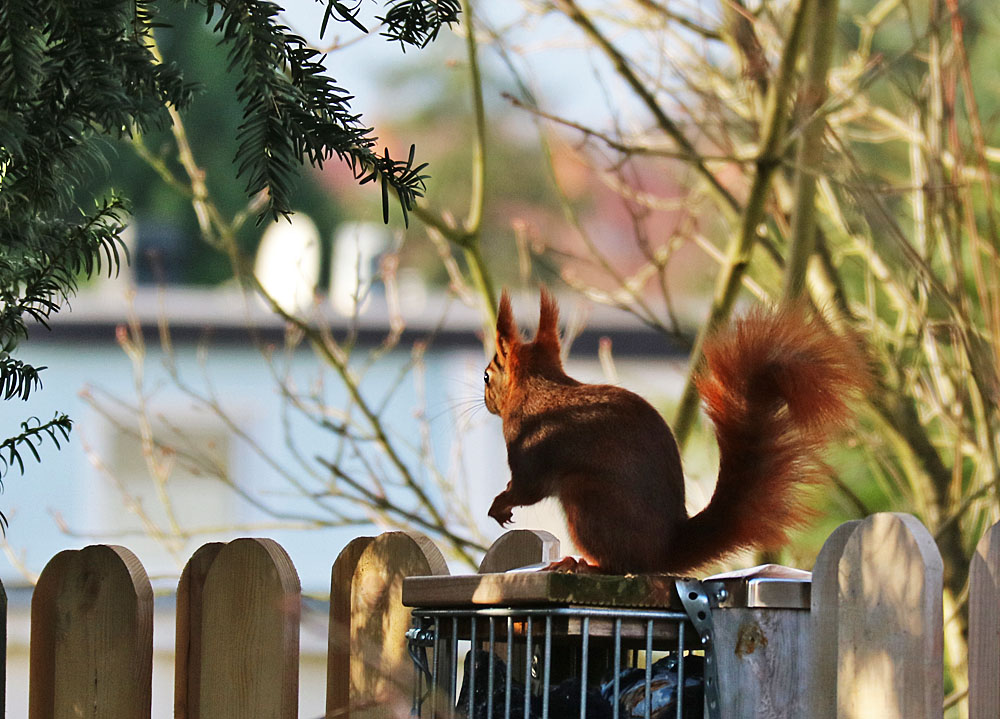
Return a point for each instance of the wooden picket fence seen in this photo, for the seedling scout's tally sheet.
(869, 646)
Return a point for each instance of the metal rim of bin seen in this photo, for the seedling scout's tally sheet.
(697, 610)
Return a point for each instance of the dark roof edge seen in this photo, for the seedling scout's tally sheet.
(227, 316)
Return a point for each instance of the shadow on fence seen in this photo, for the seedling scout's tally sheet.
(870, 645)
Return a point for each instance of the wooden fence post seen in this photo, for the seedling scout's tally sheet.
(91, 649)
(242, 642)
(984, 627)
(889, 622)
(761, 639)
(187, 646)
(520, 548)
(338, 657)
(381, 672)
(824, 599)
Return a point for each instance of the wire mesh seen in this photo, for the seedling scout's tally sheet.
(556, 663)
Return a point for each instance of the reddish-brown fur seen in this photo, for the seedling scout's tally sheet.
(775, 385)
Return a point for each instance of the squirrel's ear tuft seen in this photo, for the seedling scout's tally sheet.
(548, 323)
(507, 335)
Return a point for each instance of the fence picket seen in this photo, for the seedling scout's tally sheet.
(243, 646)
(520, 548)
(91, 649)
(984, 627)
(188, 653)
(889, 621)
(338, 659)
(824, 600)
(381, 673)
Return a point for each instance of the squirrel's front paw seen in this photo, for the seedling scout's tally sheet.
(501, 512)
(572, 565)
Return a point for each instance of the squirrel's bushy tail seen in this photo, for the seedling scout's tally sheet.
(776, 385)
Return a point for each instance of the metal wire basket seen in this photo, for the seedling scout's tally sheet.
(548, 656)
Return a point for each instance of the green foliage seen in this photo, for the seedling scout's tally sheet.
(40, 265)
(32, 435)
(73, 73)
(68, 72)
(33, 431)
(292, 109)
(408, 22)
(417, 22)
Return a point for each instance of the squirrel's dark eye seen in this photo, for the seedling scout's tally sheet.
(486, 376)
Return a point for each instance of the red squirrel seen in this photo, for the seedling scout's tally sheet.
(775, 384)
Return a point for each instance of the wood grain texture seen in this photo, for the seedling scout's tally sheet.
(520, 548)
(338, 660)
(824, 600)
(251, 605)
(92, 637)
(984, 627)
(42, 646)
(760, 657)
(381, 670)
(188, 647)
(890, 662)
(542, 589)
